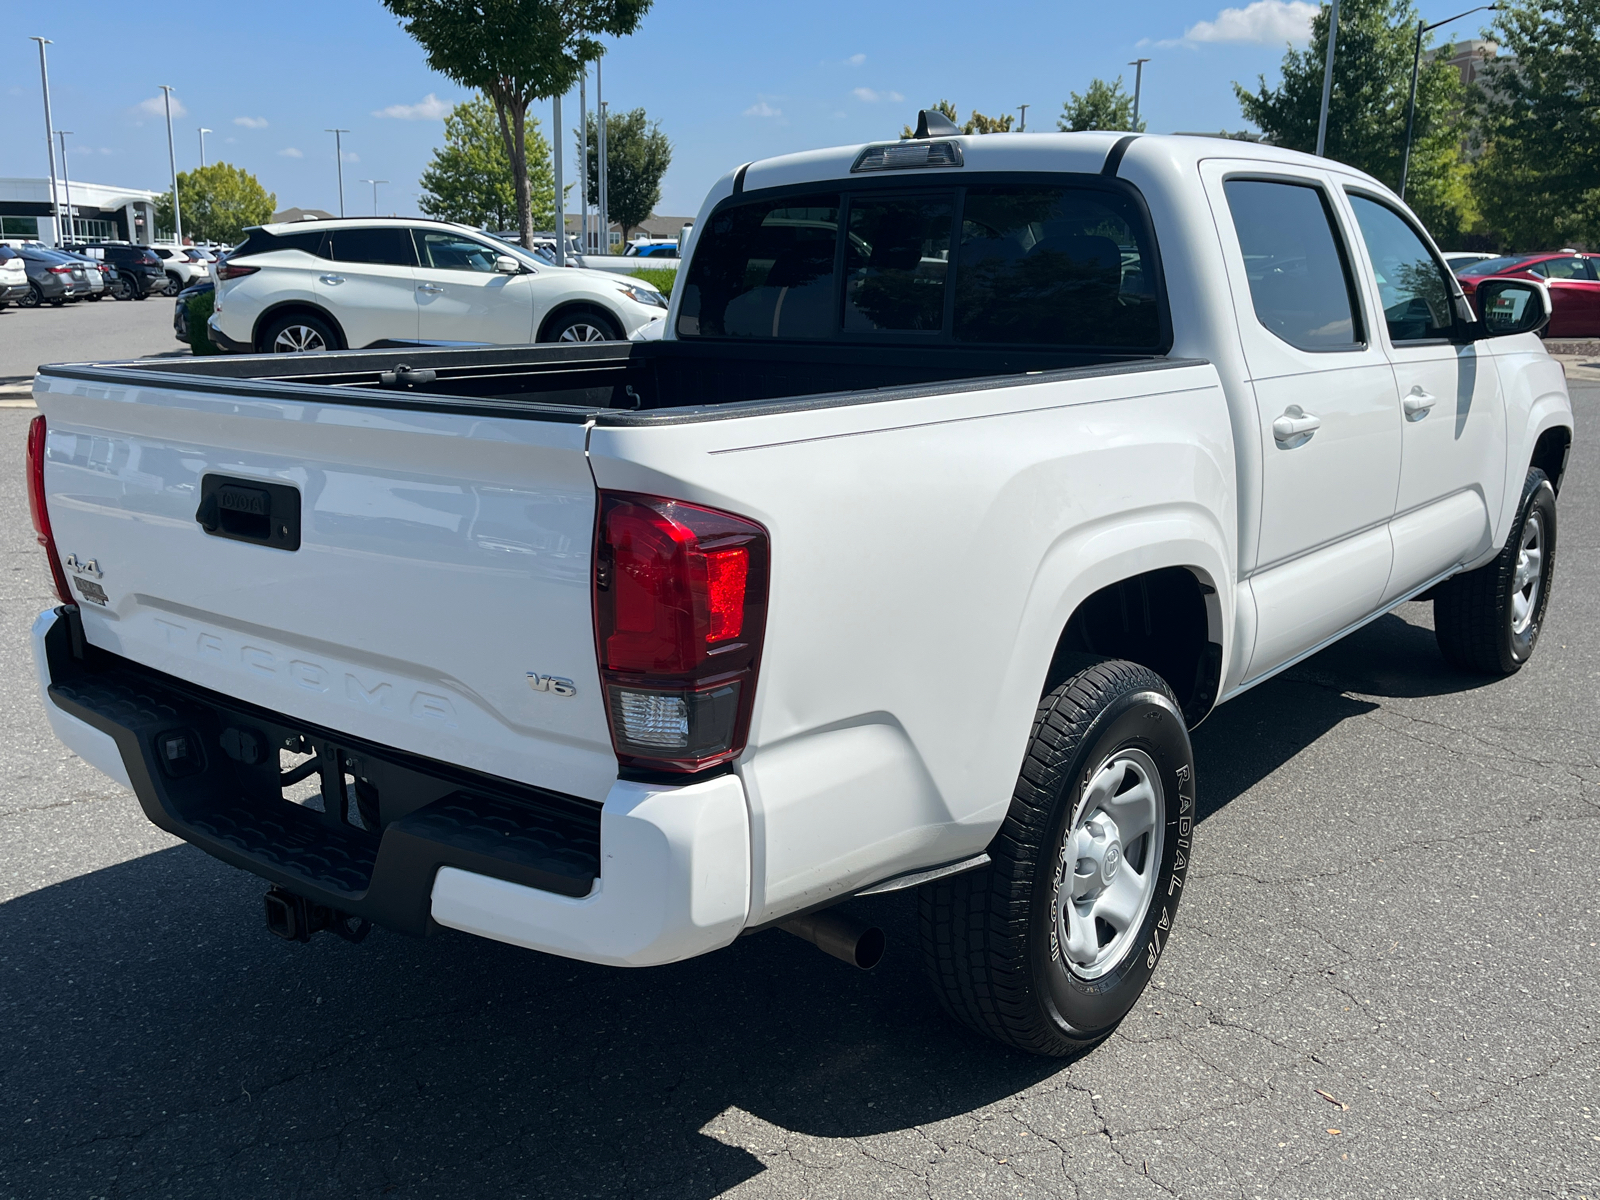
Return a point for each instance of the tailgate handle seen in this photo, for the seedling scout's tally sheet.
(250, 510)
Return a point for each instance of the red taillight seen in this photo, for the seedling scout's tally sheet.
(230, 271)
(38, 511)
(680, 609)
(63, 269)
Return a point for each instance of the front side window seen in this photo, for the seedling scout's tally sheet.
(1055, 267)
(765, 271)
(385, 247)
(896, 257)
(452, 252)
(1413, 287)
(1295, 263)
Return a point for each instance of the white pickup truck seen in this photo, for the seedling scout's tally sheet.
(970, 474)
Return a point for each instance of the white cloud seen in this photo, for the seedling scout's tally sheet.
(156, 106)
(855, 60)
(251, 122)
(105, 150)
(429, 108)
(872, 97)
(1264, 22)
(762, 109)
(351, 156)
(290, 152)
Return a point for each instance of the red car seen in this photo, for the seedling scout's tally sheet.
(1574, 281)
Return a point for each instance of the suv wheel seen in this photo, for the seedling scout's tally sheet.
(582, 326)
(299, 333)
(1050, 945)
(174, 285)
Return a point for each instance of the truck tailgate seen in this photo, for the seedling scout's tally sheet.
(441, 576)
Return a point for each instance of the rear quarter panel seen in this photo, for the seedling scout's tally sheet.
(927, 553)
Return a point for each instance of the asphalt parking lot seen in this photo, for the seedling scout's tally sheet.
(83, 332)
(1383, 984)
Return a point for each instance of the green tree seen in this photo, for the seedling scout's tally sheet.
(1367, 111)
(515, 52)
(470, 180)
(1538, 179)
(637, 156)
(1102, 106)
(219, 202)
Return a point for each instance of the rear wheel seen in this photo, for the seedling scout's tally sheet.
(33, 299)
(299, 333)
(1050, 945)
(582, 326)
(1488, 620)
(174, 285)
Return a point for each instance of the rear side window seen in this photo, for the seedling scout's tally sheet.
(1055, 267)
(1295, 261)
(384, 247)
(1564, 268)
(1413, 287)
(766, 272)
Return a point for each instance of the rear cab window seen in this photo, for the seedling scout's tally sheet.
(1058, 261)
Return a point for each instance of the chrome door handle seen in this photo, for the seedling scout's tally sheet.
(1295, 423)
(1418, 403)
(431, 288)
(331, 279)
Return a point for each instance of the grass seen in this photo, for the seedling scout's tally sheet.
(663, 280)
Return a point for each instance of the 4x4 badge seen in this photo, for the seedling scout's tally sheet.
(553, 684)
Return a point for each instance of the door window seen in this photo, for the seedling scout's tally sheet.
(766, 271)
(452, 252)
(1295, 261)
(1413, 286)
(1054, 266)
(1565, 268)
(387, 247)
(897, 255)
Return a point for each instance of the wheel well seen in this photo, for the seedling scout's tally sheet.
(290, 308)
(578, 306)
(1161, 619)
(1550, 454)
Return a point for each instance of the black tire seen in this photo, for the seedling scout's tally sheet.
(298, 333)
(94, 297)
(990, 940)
(580, 325)
(1477, 618)
(33, 299)
(121, 289)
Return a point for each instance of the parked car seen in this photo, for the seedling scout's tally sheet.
(353, 283)
(184, 265)
(13, 277)
(180, 308)
(140, 270)
(95, 273)
(652, 248)
(1459, 259)
(53, 277)
(1573, 280)
(969, 475)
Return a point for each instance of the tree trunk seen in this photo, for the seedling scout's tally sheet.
(513, 126)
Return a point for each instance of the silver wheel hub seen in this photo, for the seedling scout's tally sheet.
(1525, 582)
(298, 339)
(582, 332)
(1107, 867)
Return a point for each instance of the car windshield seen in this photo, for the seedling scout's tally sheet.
(1493, 266)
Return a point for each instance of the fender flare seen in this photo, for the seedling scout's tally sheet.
(580, 304)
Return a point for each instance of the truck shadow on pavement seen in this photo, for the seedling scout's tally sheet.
(162, 1042)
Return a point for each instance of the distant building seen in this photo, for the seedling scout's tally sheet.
(300, 214)
(655, 226)
(99, 212)
(1468, 57)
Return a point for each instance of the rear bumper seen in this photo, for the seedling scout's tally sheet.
(225, 343)
(654, 875)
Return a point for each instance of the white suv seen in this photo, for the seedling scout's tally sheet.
(348, 284)
(184, 266)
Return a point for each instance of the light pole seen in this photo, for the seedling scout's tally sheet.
(583, 159)
(556, 143)
(603, 217)
(1327, 79)
(1138, 86)
(203, 132)
(374, 183)
(66, 180)
(1022, 123)
(172, 163)
(1411, 107)
(338, 157)
(49, 133)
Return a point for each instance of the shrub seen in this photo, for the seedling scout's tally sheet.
(200, 307)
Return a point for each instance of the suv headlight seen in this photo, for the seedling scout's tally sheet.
(642, 294)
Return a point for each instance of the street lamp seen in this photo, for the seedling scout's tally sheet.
(338, 157)
(1416, 59)
(603, 216)
(1138, 81)
(203, 132)
(66, 179)
(172, 163)
(374, 183)
(1327, 79)
(49, 134)
(1022, 125)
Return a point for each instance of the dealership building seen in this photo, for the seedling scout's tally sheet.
(99, 212)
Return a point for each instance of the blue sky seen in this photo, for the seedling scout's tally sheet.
(728, 81)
